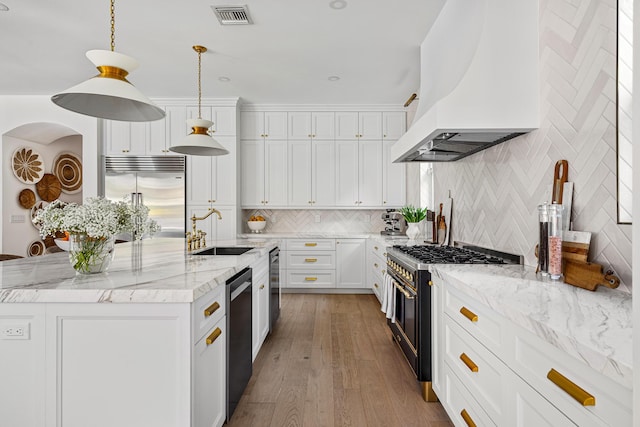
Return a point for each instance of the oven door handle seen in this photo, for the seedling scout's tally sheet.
(407, 295)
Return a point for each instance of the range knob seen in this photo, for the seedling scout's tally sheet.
(410, 277)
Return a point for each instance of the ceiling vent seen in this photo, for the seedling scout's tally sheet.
(232, 15)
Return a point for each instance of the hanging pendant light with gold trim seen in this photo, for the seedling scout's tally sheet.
(199, 142)
(109, 95)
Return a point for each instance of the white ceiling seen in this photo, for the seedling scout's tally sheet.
(285, 57)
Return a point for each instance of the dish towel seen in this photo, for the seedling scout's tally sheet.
(389, 298)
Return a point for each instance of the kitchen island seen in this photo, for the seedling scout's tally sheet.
(143, 344)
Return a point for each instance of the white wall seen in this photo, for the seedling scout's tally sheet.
(16, 111)
(636, 229)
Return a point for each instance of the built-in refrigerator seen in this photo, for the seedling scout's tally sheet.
(156, 181)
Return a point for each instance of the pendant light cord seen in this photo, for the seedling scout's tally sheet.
(113, 26)
(199, 83)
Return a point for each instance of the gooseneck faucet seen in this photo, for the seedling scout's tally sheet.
(196, 238)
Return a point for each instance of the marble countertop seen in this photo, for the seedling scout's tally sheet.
(391, 240)
(595, 327)
(149, 271)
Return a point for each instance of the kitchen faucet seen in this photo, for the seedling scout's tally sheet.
(196, 238)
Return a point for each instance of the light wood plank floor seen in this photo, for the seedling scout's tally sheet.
(330, 362)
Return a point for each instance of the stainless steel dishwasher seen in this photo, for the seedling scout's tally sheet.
(239, 366)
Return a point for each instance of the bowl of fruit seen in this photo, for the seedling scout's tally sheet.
(256, 223)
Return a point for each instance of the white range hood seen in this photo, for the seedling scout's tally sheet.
(479, 80)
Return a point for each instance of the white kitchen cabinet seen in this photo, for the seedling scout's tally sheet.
(376, 266)
(359, 173)
(216, 229)
(210, 370)
(311, 173)
(157, 143)
(350, 263)
(264, 173)
(213, 179)
(309, 263)
(362, 125)
(223, 118)
(394, 125)
(394, 179)
(260, 304)
(259, 125)
(513, 382)
(304, 125)
(125, 138)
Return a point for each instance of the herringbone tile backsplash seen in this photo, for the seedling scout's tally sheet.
(304, 221)
(496, 192)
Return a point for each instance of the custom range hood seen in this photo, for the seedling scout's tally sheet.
(479, 80)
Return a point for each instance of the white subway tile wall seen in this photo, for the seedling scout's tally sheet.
(292, 220)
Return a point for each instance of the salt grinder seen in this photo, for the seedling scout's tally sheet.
(555, 241)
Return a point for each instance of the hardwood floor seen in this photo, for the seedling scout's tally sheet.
(330, 362)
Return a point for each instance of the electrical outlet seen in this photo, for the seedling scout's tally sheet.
(14, 331)
(367, 218)
(317, 217)
(273, 218)
(16, 219)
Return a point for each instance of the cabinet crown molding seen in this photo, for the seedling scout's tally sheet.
(321, 107)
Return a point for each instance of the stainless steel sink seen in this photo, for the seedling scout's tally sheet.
(219, 250)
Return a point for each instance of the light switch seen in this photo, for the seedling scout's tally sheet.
(317, 217)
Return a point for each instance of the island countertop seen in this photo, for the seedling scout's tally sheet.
(147, 271)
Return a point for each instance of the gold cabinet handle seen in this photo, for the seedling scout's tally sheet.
(467, 419)
(384, 254)
(311, 244)
(375, 284)
(571, 388)
(262, 286)
(211, 309)
(469, 314)
(467, 361)
(430, 283)
(375, 247)
(310, 260)
(375, 264)
(214, 336)
(165, 151)
(310, 279)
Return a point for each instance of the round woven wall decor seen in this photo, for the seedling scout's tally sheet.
(27, 198)
(27, 165)
(67, 167)
(49, 187)
(36, 248)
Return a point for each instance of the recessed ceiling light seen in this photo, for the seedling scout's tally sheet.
(333, 78)
(338, 4)
(224, 79)
(4, 7)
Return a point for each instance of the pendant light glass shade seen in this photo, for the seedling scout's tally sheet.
(199, 142)
(109, 95)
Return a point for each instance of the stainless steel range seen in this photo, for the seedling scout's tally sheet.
(408, 267)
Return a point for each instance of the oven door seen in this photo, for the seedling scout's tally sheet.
(406, 313)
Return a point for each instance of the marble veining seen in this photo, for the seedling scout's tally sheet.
(595, 327)
(149, 271)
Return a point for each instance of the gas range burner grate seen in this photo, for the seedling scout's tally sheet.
(447, 255)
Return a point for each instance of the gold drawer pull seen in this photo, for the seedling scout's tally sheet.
(375, 284)
(311, 244)
(310, 279)
(375, 264)
(467, 361)
(262, 286)
(211, 309)
(311, 260)
(214, 336)
(384, 254)
(375, 247)
(469, 314)
(467, 419)
(572, 389)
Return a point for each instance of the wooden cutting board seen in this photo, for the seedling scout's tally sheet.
(575, 245)
(588, 275)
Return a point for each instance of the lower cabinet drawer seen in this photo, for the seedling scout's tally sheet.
(316, 260)
(460, 404)
(378, 265)
(208, 310)
(587, 397)
(483, 374)
(311, 279)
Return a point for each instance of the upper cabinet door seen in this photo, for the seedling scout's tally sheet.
(299, 125)
(323, 173)
(370, 173)
(224, 173)
(251, 125)
(177, 128)
(224, 121)
(157, 143)
(275, 125)
(300, 173)
(370, 125)
(393, 179)
(347, 173)
(323, 125)
(394, 125)
(346, 125)
(276, 177)
(252, 171)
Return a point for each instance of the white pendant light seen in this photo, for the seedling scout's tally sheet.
(109, 95)
(199, 142)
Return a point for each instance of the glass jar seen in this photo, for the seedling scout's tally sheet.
(555, 241)
(543, 244)
(89, 255)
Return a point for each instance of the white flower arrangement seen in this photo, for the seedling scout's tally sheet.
(97, 217)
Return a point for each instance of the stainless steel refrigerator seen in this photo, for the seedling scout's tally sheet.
(156, 181)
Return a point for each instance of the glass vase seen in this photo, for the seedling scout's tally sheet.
(89, 255)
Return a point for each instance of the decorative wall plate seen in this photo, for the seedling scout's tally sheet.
(34, 210)
(49, 187)
(36, 248)
(27, 198)
(67, 167)
(27, 165)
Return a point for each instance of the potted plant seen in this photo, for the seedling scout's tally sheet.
(413, 216)
(92, 228)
